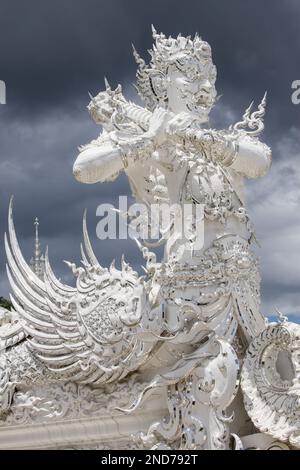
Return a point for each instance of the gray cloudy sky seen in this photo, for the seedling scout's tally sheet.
(53, 52)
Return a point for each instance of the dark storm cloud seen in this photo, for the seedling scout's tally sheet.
(37, 169)
(53, 52)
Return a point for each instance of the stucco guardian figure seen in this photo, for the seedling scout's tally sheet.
(191, 329)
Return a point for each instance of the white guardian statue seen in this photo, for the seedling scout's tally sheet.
(189, 332)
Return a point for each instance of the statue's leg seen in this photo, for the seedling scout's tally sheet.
(198, 389)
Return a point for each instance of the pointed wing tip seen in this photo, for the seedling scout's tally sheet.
(87, 246)
(10, 206)
(84, 220)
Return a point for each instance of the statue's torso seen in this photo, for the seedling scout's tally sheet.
(225, 264)
(181, 176)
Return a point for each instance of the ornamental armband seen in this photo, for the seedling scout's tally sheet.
(133, 149)
(226, 153)
(217, 146)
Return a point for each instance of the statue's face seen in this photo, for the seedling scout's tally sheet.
(191, 88)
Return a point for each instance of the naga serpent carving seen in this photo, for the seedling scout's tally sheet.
(191, 327)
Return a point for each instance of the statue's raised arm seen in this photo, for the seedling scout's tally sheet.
(129, 133)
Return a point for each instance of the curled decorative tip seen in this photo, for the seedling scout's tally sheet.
(246, 115)
(253, 122)
(262, 104)
(281, 317)
(154, 32)
(125, 266)
(140, 62)
(112, 266)
(107, 85)
(138, 243)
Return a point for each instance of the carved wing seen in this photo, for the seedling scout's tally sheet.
(88, 333)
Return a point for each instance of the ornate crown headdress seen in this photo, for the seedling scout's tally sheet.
(181, 51)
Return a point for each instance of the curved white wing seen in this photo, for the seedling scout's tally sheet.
(86, 333)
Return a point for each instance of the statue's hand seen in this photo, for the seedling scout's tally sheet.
(157, 126)
(179, 124)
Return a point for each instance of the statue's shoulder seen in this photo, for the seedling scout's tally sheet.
(104, 138)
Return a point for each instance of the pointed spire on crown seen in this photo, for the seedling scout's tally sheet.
(37, 262)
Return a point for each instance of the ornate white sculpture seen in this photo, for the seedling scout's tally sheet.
(192, 327)
(5, 316)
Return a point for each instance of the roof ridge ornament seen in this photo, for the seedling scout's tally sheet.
(37, 262)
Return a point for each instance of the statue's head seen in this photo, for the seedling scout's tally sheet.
(180, 76)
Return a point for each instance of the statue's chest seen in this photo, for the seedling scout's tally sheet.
(205, 179)
(207, 183)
